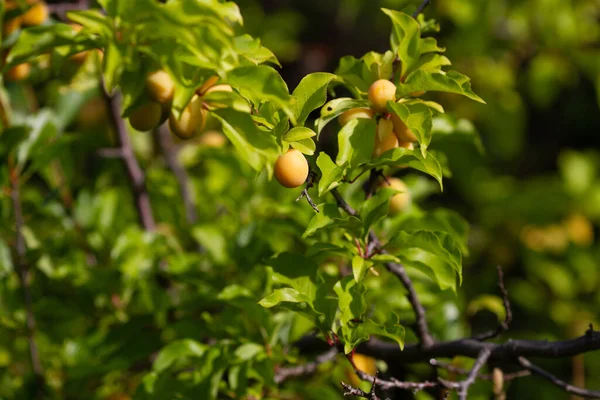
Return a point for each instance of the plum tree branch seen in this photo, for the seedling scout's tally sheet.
(425, 338)
(309, 183)
(23, 273)
(421, 7)
(136, 176)
(397, 384)
(464, 386)
(486, 377)
(61, 9)
(352, 391)
(505, 352)
(591, 394)
(503, 326)
(170, 151)
(309, 368)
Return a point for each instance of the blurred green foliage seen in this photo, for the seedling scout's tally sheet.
(121, 310)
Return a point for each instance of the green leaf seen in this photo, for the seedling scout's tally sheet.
(330, 216)
(253, 51)
(248, 351)
(390, 329)
(331, 174)
(432, 62)
(176, 350)
(417, 117)
(113, 66)
(351, 71)
(94, 21)
(488, 302)
(295, 270)
(451, 81)
(319, 251)
(285, 295)
(356, 140)
(431, 104)
(222, 99)
(378, 66)
(359, 331)
(6, 264)
(429, 45)
(436, 249)
(435, 267)
(448, 127)
(261, 83)
(334, 108)
(310, 94)
(306, 146)
(255, 146)
(376, 208)
(440, 220)
(35, 41)
(213, 240)
(404, 157)
(359, 267)
(43, 131)
(298, 133)
(352, 303)
(405, 39)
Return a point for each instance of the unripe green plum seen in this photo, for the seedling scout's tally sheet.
(160, 86)
(291, 169)
(401, 201)
(380, 93)
(385, 139)
(401, 130)
(191, 121)
(353, 113)
(146, 117)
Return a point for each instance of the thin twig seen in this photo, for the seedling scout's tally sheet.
(371, 183)
(479, 363)
(421, 7)
(61, 9)
(504, 325)
(591, 394)
(352, 391)
(170, 151)
(110, 152)
(425, 338)
(309, 184)
(394, 383)
(23, 272)
(309, 368)
(135, 173)
(486, 377)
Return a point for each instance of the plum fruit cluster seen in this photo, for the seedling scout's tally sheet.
(391, 131)
(35, 15)
(157, 106)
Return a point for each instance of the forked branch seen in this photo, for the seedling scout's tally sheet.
(425, 338)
